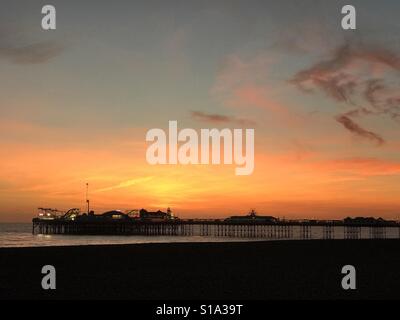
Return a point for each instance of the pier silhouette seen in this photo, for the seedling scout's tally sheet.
(145, 223)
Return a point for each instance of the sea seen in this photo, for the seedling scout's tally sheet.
(20, 235)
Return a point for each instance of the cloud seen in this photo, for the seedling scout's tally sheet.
(125, 184)
(356, 129)
(383, 99)
(357, 75)
(236, 72)
(342, 58)
(220, 119)
(36, 53)
(373, 86)
(248, 81)
(259, 97)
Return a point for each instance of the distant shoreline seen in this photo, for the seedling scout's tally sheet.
(236, 270)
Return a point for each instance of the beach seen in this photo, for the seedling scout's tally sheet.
(207, 271)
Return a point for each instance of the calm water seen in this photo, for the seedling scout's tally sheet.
(20, 235)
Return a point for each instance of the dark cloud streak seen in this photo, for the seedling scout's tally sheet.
(353, 127)
(217, 118)
(36, 53)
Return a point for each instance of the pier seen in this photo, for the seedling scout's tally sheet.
(246, 227)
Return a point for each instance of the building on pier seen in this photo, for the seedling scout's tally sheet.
(114, 215)
(156, 216)
(368, 221)
(252, 217)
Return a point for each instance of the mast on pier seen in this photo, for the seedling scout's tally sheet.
(87, 198)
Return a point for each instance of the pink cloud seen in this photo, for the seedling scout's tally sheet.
(253, 96)
(245, 83)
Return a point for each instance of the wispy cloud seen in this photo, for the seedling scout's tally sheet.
(353, 127)
(17, 46)
(344, 57)
(36, 53)
(236, 72)
(248, 81)
(356, 75)
(125, 184)
(220, 119)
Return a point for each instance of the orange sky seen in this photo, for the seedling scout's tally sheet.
(290, 184)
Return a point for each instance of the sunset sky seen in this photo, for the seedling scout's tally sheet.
(76, 103)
